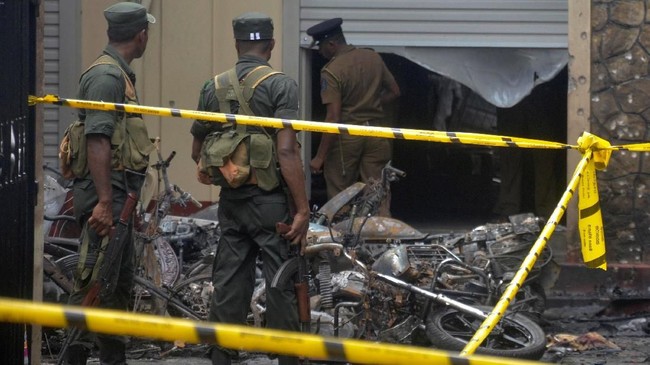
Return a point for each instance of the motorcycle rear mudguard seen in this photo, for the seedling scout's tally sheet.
(329, 209)
(381, 229)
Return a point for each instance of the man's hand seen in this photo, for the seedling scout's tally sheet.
(316, 165)
(101, 219)
(297, 232)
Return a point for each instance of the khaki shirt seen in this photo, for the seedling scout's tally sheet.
(356, 76)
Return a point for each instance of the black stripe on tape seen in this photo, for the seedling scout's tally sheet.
(398, 133)
(76, 319)
(509, 142)
(335, 350)
(120, 107)
(453, 138)
(287, 124)
(589, 211)
(207, 334)
(231, 118)
(175, 112)
(595, 263)
(344, 130)
(455, 360)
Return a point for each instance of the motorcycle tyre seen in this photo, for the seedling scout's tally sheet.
(441, 338)
(68, 265)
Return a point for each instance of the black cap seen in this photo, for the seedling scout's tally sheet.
(127, 15)
(324, 30)
(252, 27)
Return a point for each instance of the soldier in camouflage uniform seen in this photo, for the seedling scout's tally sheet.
(100, 195)
(248, 213)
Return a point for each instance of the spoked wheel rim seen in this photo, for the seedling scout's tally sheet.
(507, 335)
(514, 336)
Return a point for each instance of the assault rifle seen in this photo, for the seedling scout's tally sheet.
(104, 284)
(301, 284)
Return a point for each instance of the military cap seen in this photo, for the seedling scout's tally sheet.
(324, 30)
(252, 27)
(126, 15)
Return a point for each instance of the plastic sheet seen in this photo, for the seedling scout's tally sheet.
(502, 76)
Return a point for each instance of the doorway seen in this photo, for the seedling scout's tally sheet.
(444, 183)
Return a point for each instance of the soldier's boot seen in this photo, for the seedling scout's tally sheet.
(220, 357)
(76, 355)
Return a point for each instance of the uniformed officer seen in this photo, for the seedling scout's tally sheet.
(248, 213)
(100, 195)
(354, 85)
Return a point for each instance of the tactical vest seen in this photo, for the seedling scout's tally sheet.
(230, 156)
(130, 143)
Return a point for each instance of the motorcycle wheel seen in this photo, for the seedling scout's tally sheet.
(195, 292)
(516, 336)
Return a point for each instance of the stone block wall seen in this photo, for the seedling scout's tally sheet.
(620, 113)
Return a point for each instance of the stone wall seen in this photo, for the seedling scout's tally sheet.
(620, 113)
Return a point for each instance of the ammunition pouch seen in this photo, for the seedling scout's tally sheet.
(130, 143)
(72, 151)
(237, 156)
(229, 158)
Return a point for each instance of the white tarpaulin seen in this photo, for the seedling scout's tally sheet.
(502, 76)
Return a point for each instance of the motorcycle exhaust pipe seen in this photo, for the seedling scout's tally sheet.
(434, 296)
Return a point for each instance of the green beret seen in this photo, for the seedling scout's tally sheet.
(127, 15)
(252, 27)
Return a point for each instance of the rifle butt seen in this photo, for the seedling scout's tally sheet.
(92, 297)
(302, 295)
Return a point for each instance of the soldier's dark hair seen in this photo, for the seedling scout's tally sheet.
(124, 34)
(337, 38)
(260, 46)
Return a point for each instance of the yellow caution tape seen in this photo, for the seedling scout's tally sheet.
(590, 224)
(529, 262)
(301, 125)
(233, 336)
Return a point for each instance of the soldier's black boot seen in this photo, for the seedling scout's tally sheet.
(220, 357)
(112, 351)
(76, 355)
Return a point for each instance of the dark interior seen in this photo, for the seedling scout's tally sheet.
(444, 182)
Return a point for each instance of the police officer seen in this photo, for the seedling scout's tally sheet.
(100, 195)
(354, 85)
(248, 213)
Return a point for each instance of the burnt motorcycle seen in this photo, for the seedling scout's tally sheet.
(378, 278)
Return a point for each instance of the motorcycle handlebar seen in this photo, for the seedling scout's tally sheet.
(396, 171)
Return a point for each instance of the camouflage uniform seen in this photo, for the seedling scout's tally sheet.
(247, 217)
(106, 82)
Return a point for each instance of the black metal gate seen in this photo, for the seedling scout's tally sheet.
(17, 185)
